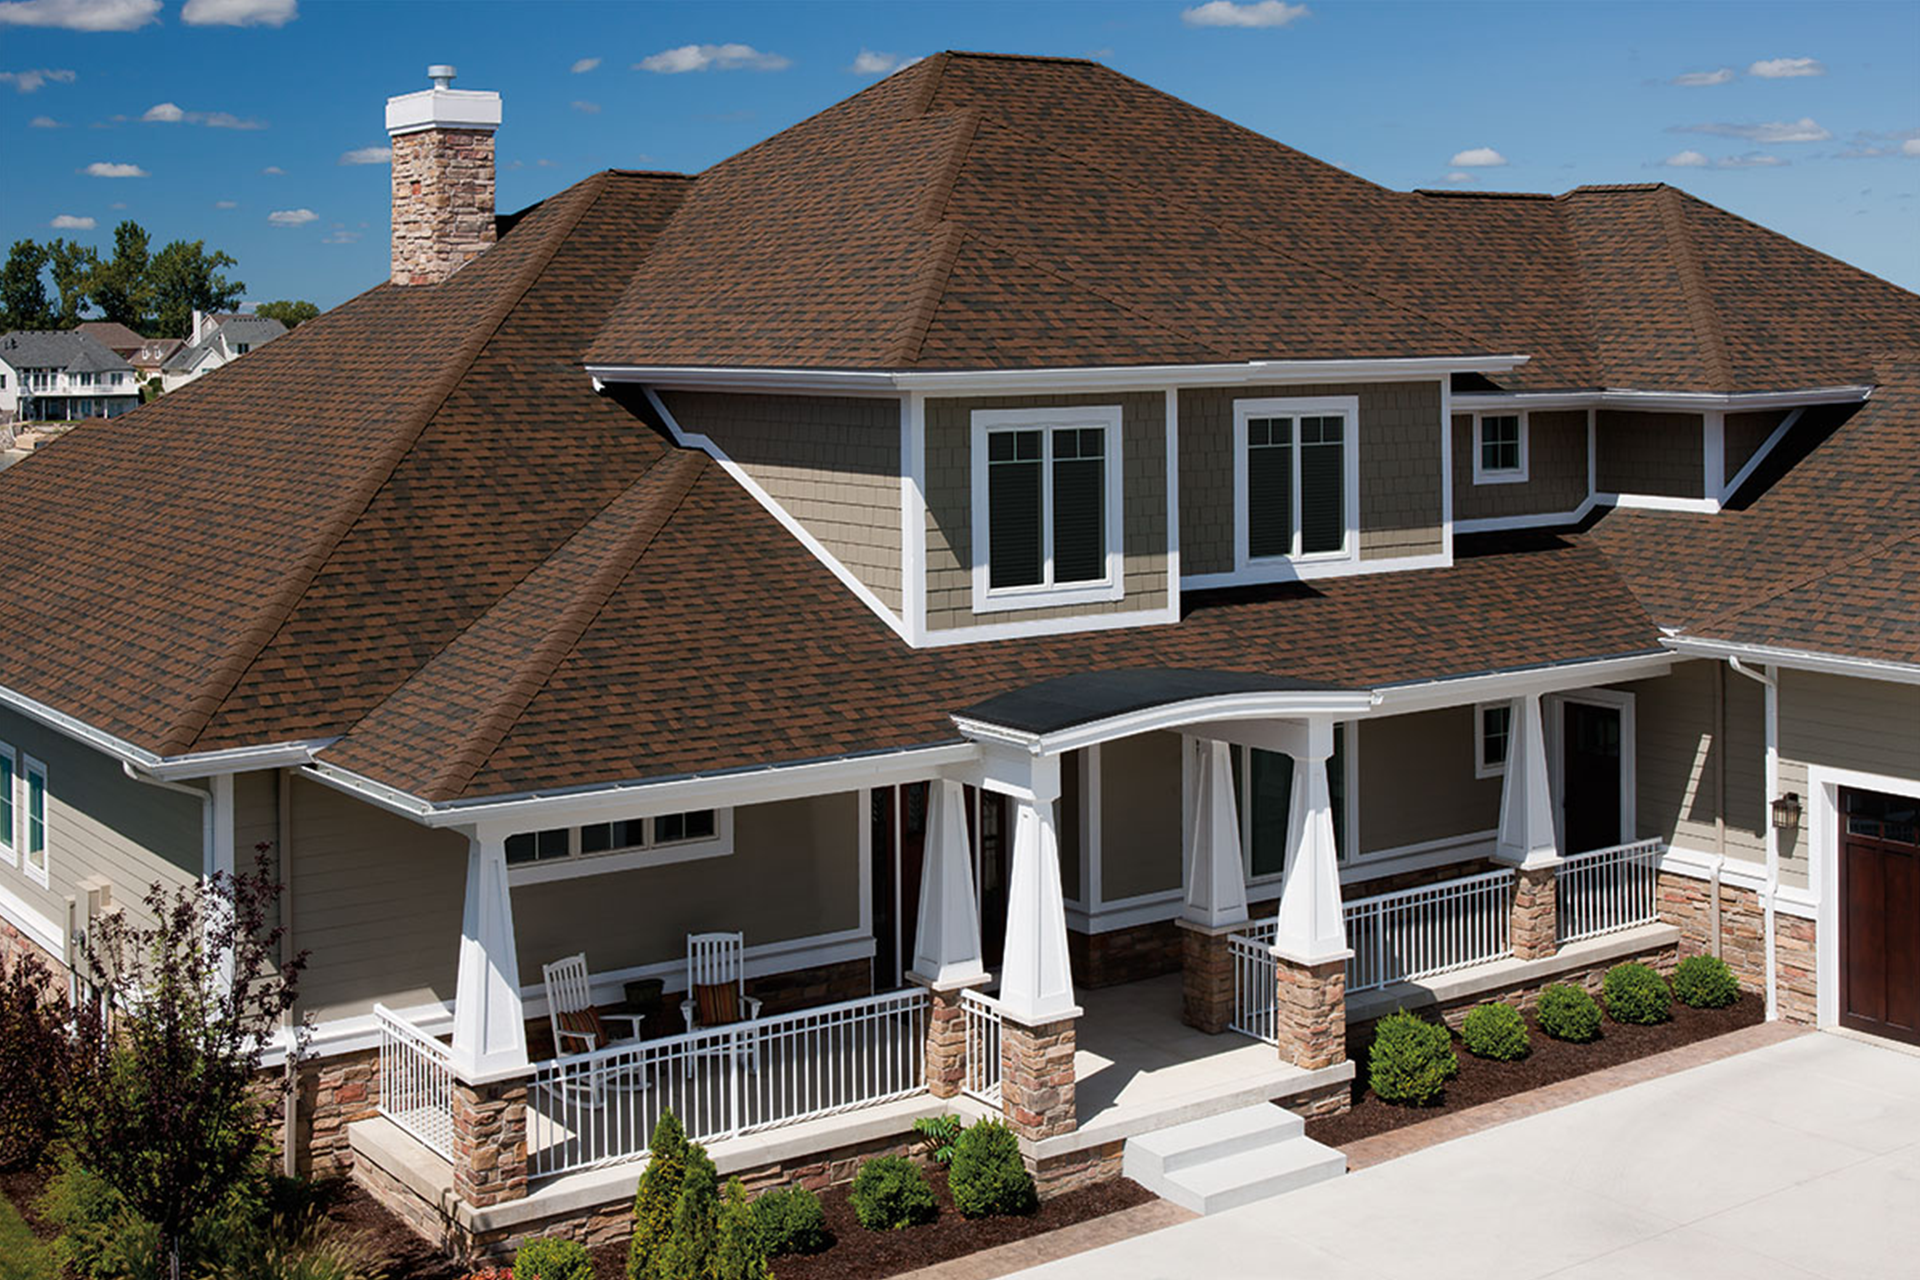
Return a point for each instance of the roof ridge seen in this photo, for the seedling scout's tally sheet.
(225, 673)
(1790, 585)
(1693, 287)
(946, 235)
(929, 87)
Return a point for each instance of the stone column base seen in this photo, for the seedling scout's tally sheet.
(946, 1046)
(1036, 1078)
(1310, 1012)
(490, 1141)
(1206, 976)
(1535, 928)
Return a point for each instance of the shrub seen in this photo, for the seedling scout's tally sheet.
(791, 1221)
(654, 1198)
(987, 1176)
(1705, 982)
(1411, 1060)
(937, 1136)
(890, 1192)
(1569, 1013)
(1496, 1031)
(551, 1258)
(100, 1237)
(687, 1253)
(34, 1051)
(738, 1252)
(1637, 994)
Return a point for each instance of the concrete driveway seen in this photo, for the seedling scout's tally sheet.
(1798, 1159)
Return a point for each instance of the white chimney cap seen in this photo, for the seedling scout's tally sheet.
(443, 107)
(442, 75)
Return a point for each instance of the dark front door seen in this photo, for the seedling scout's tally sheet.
(1880, 914)
(1590, 776)
(899, 850)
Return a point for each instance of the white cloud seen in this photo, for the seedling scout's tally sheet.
(226, 204)
(590, 108)
(1911, 147)
(72, 222)
(273, 171)
(164, 113)
(1478, 158)
(1257, 13)
(105, 169)
(367, 155)
(1459, 175)
(171, 113)
(1801, 130)
(340, 236)
(118, 204)
(1703, 79)
(292, 217)
(1686, 160)
(869, 63)
(1787, 68)
(239, 13)
(80, 15)
(1747, 160)
(584, 65)
(30, 81)
(44, 122)
(712, 57)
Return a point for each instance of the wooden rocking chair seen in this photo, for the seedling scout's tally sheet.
(717, 994)
(574, 1017)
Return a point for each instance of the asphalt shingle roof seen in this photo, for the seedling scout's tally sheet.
(66, 349)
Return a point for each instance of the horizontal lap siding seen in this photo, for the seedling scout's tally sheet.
(1140, 837)
(1656, 454)
(1417, 780)
(1556, 469)
(1870, 726)
(1678, 759)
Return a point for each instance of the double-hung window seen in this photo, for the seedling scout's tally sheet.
(1492, 736)
(1499, 448)
(9, 806)
(33, 821)
(1046, 507)
(1263, 792)
(1296, 480)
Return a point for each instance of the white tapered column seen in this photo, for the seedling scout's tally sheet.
(1216, 878)
(1311, 929)
(1036, 983)
(1526, 804)
(489, 1025)
(946, 950)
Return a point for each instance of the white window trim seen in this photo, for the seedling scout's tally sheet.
(577, 864)
(1243, 410)
(1481, 769)
(1504, 475)
(10, 838)
(39, 875)
(990, 599)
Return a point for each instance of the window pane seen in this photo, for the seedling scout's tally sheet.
(700, 824)
(36, 815)
(1269, 487)
(1500, 443)
(1272, 798)
(1337, 791)
(1079, 506)
(596, 837)
(1323, 484)
(1013, 509)
(553, 843)
(1495, 725)
(521, 848)
(6, 802)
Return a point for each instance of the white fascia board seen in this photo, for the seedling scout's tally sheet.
(1799, 659)
(1497, 686)
(1627, 398)
(194, 765)
(571, 805)
(1095, 378)
(1264, 705)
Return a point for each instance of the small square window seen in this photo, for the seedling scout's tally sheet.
(1500, 448)
(537, 846)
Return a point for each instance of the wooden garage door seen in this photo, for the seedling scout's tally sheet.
(1880, 914)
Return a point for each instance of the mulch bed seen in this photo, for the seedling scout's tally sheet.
(403, 1254)
(1482, 1080)
(859, 1254)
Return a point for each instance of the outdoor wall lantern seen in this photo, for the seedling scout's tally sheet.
(1786, 812)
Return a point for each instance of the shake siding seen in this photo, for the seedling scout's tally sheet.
(1678, 759)
(1399, 439)
(1744, 434)
(1140, 816)
(1556, 469)
(100, 823)
(1416, 780)
(1658, 454)
(949, 428)
(833, 463)
(1867, 725)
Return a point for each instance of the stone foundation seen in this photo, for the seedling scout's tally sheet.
(14, 944)
(1526, 995)
(490, 1141)
(1036, 1078)
(1686, 903)
(1120, 956)
(1310, 1022)
(1534, 929)
(333, 1093)
(804, 988)
(1206, 985)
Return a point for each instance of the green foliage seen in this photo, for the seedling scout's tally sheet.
(890, 1193)
(120, 287)
(738, 1251)
(551, 1258)
(1636, 993)
(100, 1237)
(791, 1221)
(294, 1247)
(654, 1198)
(1705, 982)
(1411, 1060)
(289, 313)
(72, 266)
(23, 297)
(937, 1136)
(21, 1256)
(1568, 1013)
(1496, 1031)
(987, 1176)
(34, 1053)
(183, 278)
(687, 1253)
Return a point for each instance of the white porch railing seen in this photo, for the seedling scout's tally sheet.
(599, 1108)
(982, 1014)
(416, 1082)
(1436, 928)
(1607, 890)
(1253, 993)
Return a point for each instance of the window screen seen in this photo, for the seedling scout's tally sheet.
(1270, 486)
(1323, 485)
(1015, 549)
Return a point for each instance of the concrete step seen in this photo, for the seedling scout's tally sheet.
(1182, 1146)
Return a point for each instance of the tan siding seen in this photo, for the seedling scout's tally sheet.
(1745, 433)
(1139, 816)
(1416, 780)
(101, 823)
(1556, 469)
(1841, 723)
(832, 462)
(949, 427)
(1679, 760)
(256, 817)
(1659, 454)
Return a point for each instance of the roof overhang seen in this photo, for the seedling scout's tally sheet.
(198, 764)
(1097, 378)
(1837, 664)
(1685, 401)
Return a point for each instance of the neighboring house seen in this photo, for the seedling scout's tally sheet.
(216, 340)
(1014, 530)
(62, 376)
(114, 336)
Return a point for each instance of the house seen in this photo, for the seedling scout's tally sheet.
(114, 336)
(216, 339)
(61, 375)
(1101, 602)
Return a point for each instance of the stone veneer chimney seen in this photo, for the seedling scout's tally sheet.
(442, 177)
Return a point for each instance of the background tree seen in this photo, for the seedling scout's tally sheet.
(120, 287)
(23, 298)
(185, 278)
(73, 266)
(290, 314)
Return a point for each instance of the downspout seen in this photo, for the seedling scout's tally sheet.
(1719, 806)
(1768, 680)
(206, 809)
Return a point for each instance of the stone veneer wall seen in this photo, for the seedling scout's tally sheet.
(442, 202)
(1688, 904)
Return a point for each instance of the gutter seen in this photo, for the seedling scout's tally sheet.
(1769, 679)
(1626, 398)
(154, 767)
(1795, 659)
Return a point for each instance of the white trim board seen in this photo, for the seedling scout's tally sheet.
(1268, 571)
(18, 912)
(1160, 617)
(1509, 475)
(1626, 398)
(1732, 486)
(1795, 659)
(1739, 873)
(1823, 870)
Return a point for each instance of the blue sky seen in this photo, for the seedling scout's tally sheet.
(235, 116)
